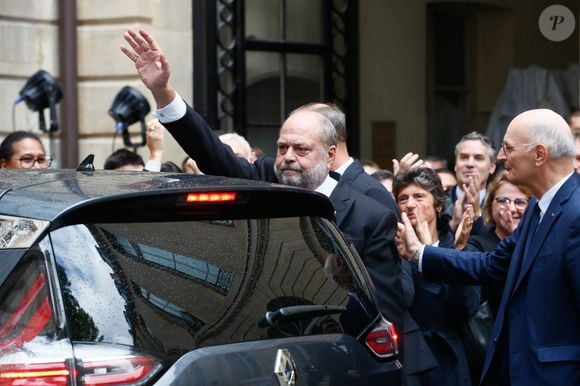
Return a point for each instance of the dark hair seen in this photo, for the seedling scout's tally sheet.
(427, 179)
(436, 158)
(368, 162)
(122, 157)
(169, 166)
(574, 111)
(445, 171)
(6, 148)
(383, 174)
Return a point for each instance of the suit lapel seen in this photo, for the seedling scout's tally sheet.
(516, 260)
(544, 227)
(340, 198)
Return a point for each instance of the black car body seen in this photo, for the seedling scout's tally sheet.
(152, 278)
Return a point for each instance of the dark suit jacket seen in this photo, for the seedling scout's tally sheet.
(536, 336)
(437, 309)
(359, 180)
(369, 226)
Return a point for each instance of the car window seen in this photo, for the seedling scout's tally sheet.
(174, 286)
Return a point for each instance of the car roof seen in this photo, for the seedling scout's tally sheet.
(71, 196)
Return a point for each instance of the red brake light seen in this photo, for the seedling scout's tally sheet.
(383, 339)
(30, 353)
(35, 374)
(126, 370)
(211, 197)
(26, 323)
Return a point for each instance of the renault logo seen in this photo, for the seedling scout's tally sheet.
(284, 368)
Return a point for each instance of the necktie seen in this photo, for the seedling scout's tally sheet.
(534, 220)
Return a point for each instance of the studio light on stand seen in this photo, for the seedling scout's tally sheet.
(130, 106)
(42, 91)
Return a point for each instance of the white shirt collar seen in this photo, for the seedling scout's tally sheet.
(327, 186)
(546, 199)
(345, 165)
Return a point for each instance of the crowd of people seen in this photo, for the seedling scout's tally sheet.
(501, 229)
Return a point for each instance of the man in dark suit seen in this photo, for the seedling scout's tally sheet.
(536, 336)
(306, 148)
(351, 170)
(416, 355)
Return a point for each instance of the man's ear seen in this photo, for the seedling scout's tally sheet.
(2, 163)
(331, 153)
(541, 154)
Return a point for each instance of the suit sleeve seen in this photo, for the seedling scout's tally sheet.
(383, 263)
(384, 197)
(573, 260)
(407, 283)
(470, 268)
(212, 156)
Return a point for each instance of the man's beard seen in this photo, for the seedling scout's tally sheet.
(307, 179)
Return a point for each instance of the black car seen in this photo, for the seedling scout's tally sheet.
(132, 278)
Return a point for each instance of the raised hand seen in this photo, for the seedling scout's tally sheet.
(457, 212)
(406, 240)
(155, 131)
(471, 191)
(151, 64)
(506, 221)
(409, 160)
(464, 228)
(421, 227)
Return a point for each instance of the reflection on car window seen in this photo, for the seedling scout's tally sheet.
(170, 308)
(200, 270)
(176, 286)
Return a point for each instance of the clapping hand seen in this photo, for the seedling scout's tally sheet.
(406, 240)
(471, 191)
(464, 228)
(506, 221)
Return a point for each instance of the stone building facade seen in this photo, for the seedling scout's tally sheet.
(404, 53)
(30, 41)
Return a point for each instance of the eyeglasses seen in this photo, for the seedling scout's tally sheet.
(504, 202)
(508, 149)
(27, 161)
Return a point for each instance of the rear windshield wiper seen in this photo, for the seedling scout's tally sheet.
(298, 313)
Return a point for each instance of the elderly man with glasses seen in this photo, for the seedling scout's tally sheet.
(535, 339)
(23, 150)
